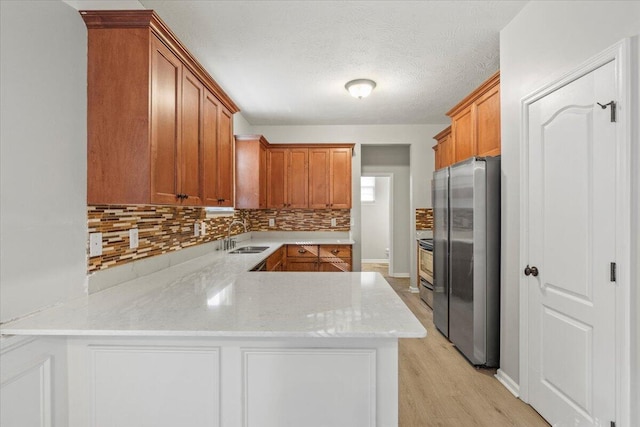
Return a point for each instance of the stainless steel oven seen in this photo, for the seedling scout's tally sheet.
(425, 270)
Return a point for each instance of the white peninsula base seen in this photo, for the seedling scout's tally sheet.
(256, 383)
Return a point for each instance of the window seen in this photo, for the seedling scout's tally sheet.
(368, 189)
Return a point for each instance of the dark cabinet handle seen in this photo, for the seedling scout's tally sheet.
(335, 251)
(301, 251)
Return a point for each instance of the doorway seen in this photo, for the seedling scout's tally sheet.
(393, 161)
(376, 198)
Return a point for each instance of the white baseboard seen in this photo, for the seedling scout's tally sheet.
(376, 261)
(508, 382)
(399, 275)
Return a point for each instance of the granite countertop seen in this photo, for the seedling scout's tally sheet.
(215, 295)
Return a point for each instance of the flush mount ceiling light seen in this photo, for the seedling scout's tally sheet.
(360, 88)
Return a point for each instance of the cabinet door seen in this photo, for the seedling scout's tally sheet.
(276, 178)
(210, 108)
(436, 156)
(447, 151)
(488, 123)
(225, 158)
(340, 178)
(298, 178)
(301, 265)
(319, 165)
(166, 79)
(334, 265)
(463, 135)
(262, 179)
(189, 150)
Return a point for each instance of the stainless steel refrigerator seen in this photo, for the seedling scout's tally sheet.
(466, 257)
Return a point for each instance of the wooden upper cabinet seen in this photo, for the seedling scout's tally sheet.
(340, 178)
(463, 135)
(488, 123)
(210, 109)
(330, 178)
(287, 178)
(190, 150)
(443, 149)
(298, 178)
(150, 120)
(316, 176)
(319, 167)
(276, 178)
(251, 172)
(166, 84)
(475, 123)
(225, 158)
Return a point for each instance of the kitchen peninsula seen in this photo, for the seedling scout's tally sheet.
(207, 342)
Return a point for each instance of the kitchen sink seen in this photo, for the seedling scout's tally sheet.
(249, 250)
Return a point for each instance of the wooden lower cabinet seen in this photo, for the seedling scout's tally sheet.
(275, 262)
(318, 258)
(302, 258)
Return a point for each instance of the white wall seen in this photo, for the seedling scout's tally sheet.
(43, 137)
(544, 41)
(375, 221)
(419, 137)
(104, 4)
(241, 126)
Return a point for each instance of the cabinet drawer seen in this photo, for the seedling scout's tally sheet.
(342, 252)
(302, 251)
(335, 265)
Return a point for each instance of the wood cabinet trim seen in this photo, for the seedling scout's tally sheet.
(490, 83)
(95, 19)
(443, 133)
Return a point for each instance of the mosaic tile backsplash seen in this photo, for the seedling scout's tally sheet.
(424, 219)
(162, 229)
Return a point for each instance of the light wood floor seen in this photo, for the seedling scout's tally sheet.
(438, 387)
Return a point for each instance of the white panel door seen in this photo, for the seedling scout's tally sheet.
(571, 242)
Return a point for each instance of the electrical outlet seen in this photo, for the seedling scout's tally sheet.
(334, 222)
(272, 222)
(203, 229)
(133, 238)
(95, 244)
(196, 229)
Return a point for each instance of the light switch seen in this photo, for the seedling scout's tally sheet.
(334, 222)
(133, 238)
(95, 244)
(272, 222)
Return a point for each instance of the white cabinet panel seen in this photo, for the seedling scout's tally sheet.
(155, 386)
(33, 390)
(310, 387)
(26, 399)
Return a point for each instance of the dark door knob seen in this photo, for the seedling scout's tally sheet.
(533, 271)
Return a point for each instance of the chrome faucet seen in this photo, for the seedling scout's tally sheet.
(230, 243)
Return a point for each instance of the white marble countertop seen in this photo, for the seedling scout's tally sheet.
(215, 295)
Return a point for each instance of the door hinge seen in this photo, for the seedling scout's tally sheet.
(613, 272)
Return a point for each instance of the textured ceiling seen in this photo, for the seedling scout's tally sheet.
(286, 62)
